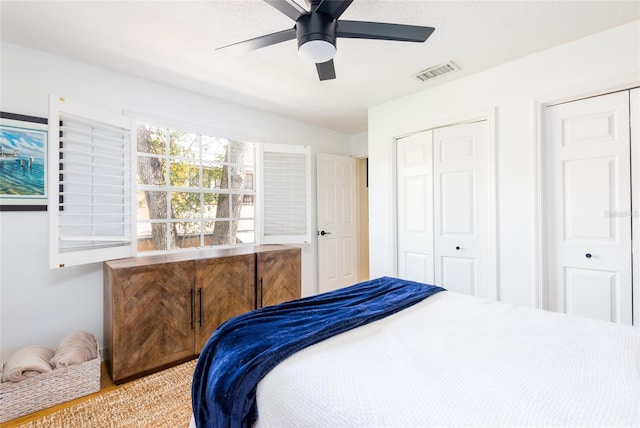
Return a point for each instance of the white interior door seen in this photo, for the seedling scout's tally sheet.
(589, 157)
(443, 209)
(461, 215)
(415, 207)
(337, 225)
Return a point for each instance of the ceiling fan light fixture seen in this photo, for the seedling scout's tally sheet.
(316, 31)
(317, 51)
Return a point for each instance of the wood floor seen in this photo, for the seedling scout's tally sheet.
(106, 385)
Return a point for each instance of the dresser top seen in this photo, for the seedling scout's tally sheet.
(209, 253)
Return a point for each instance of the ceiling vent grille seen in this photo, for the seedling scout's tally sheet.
(436, 70)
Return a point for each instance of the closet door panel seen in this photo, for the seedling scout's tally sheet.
(457, 203)
(592, 293)
(459, 274)
(461, 214)
(415, 207)
(588, 147)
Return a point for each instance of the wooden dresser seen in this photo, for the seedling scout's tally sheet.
(160, 310)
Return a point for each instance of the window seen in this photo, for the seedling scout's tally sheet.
(285, 192)
(116, 189)
(90, 185)
(193, 190)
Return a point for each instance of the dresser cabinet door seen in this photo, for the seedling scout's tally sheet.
(225, 287)
(278, 276)
(152, 317)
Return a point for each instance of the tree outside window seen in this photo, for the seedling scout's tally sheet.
(194, 190)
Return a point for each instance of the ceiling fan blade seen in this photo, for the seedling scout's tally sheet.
(326, 70)
(383, 31)
(260, 42)
(333, 8)
(292, 10)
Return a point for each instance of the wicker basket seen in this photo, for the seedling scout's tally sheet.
(48, 389)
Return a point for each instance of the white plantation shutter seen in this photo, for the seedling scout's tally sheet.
(285, 194)
(91, 185)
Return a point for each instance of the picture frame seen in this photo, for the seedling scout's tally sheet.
(23, 162)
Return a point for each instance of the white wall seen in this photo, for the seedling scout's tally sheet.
(359, 145)
(604, 61)
(41, 306)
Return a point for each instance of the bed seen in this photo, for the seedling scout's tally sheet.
(445, 359)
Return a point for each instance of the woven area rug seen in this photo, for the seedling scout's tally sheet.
(159, 400)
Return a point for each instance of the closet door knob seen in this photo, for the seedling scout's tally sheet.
(588, 255)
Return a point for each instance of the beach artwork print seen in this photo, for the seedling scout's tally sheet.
(23, 162)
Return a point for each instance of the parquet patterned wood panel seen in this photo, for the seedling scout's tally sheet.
(160, 310)
(152, 315)
(279, 276)
(225, 288)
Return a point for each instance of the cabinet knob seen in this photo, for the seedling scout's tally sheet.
(588, 255)
(458, 248)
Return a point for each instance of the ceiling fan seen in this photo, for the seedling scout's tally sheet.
(317, 29)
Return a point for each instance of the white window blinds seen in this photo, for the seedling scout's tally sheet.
(286, 192)
(91, 185)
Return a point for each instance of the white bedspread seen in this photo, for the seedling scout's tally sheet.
(456, 360)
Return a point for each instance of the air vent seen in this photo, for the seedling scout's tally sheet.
(436, 70)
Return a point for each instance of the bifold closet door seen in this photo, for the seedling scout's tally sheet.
(415, 207)
(461, 215)
(589, 200)
(443, 208)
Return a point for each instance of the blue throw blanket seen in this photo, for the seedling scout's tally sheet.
(245, 348)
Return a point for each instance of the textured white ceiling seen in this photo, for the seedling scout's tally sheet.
(174, 42)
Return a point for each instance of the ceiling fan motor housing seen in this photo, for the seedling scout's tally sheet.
(316, 26)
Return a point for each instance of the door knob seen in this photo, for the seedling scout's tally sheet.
(588, 255)
(324, 233)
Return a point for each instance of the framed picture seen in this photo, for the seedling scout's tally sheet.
(23, 162)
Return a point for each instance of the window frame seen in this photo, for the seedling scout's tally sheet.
(127, 241)
(168, 188)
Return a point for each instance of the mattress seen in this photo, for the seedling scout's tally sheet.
(457, 360)
(245, 348)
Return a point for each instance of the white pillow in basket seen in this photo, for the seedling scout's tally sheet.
(29, 361)
(76, 348)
